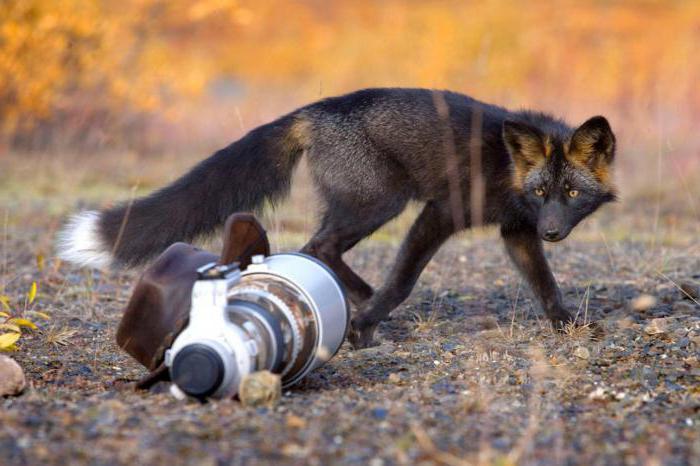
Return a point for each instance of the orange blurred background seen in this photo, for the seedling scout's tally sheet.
(169, 76)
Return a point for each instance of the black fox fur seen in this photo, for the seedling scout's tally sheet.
(369, 153)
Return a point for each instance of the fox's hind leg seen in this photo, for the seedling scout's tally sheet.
(432, 227)
(340, 230)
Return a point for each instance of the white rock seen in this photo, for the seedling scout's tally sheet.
(582, 352)
(643, 302)
(599, 394)
(12, 380)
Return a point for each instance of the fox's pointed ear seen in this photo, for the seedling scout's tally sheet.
(593, 144)
(527, 146)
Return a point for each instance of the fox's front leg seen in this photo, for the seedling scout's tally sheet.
(525, 249)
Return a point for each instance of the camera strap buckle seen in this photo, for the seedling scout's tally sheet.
(216, 271)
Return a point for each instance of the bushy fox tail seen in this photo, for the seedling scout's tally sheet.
(240, 177)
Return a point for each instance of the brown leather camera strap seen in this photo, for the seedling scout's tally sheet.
(244, 238)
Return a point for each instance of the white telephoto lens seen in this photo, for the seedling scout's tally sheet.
(286, 313)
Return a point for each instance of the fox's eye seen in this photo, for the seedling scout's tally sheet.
(573, 192)
(539, 191)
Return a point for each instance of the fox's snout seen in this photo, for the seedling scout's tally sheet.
(553, 234)
(553, 224)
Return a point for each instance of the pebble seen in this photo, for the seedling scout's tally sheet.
(582, 352)
(599, 394)
(261, 388)
(380, 413)
(12, 380)
(682, 306)
(656, 326)
(643, 302)
(380, 350)
(295, 422)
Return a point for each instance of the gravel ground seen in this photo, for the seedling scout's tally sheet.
(468, 372)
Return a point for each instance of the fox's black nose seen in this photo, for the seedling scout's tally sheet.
(551, 234)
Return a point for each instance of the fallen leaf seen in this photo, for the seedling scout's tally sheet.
(23, 323)
(43, 315)
(10, 327)
(8, 339)
(5, 301)
(31, 296)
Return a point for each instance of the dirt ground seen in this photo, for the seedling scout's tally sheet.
(468, 371)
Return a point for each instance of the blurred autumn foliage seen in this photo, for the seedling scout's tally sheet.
(148, 73)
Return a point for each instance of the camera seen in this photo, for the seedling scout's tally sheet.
(205, 321)
(285, 313)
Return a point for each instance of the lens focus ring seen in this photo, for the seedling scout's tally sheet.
(252, 293)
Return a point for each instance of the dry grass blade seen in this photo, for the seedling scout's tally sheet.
(429, 449)
(679, 287)
(59, 336)
(577, 331)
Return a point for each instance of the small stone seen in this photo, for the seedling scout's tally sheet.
(261, 388)
(656, 326)
(695, 339)
(380, 413)
(12, 380)
(295, 422)
(323, 353)
(690, 290)
(379, 350)
(643, 302)
(295, 450)
(599, 394)
(394, 378)
(582, 352)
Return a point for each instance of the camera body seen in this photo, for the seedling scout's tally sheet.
(286, 313)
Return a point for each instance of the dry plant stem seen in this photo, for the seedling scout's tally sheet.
(451, 162)
(432, 452)
(477, 184)
(679, 287)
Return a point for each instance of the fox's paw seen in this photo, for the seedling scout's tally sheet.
(362, 336)
(561, 319)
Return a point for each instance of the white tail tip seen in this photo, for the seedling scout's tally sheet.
(79, 242)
